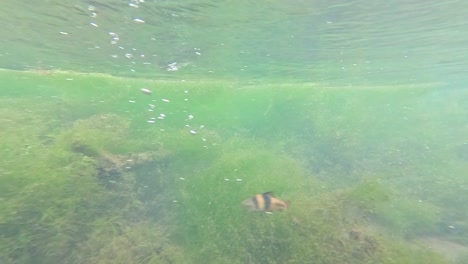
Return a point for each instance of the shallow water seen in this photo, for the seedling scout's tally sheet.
(353, 113)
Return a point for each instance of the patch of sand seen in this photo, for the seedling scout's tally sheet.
(451, 250)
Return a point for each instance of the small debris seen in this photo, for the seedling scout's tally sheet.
(146, 91)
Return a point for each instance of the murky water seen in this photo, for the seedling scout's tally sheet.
(353, 113)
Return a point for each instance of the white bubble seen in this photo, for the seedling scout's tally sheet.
(146, 91)
(165, 100)
(193, 132)
(63, 33)
(139, 20)
(93, 24)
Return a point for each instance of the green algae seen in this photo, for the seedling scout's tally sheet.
(310, 145)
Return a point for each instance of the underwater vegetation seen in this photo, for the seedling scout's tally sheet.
(86, 179)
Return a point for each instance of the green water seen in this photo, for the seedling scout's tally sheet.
(354, 113)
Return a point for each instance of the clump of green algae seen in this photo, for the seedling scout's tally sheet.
(59, 209)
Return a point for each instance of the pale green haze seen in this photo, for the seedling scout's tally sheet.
(131, 131)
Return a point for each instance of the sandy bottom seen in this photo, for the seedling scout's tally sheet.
(451, 250)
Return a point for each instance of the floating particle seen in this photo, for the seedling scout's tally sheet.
(111, 181)
(91, 8)
(202, 126)
(162, 130)
(185, 91)
(160, 117)
(129, 160)
(93, 24)
(111, 33)
(93, 14)
(133, 5)
(153, 118)
(203, 139)
(238, 180)
(113, 42)
(129, 55)
(165, 100)
(138, 20)
(193, 132)
(172, 66)
(131, 101)
(147, 91)
(128, 167)
(226, 179)
(151, 105)
(198, 53)
(190, 117)
(69, 79)
(270, 213)
(182, 178)
(150, 110)
(63, 33)
(185, 99)
(174, 201)
(150, 121)
(163, 115)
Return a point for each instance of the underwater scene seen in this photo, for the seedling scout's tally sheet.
(202, 131)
